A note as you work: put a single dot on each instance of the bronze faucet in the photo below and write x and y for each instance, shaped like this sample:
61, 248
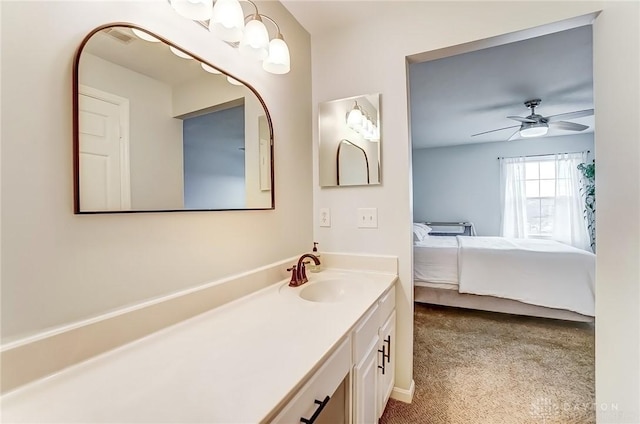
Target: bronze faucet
298, 272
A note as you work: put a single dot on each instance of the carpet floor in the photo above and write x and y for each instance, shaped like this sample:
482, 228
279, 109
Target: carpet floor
482, 367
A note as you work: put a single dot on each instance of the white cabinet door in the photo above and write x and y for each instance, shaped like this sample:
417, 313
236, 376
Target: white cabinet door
366, 388
386, 362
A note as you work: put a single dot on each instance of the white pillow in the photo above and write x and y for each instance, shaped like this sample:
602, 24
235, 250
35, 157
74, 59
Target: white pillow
420, 231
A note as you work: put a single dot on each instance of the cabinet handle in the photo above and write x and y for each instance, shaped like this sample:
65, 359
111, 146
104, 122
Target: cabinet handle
388, 342
322, 404
384, 355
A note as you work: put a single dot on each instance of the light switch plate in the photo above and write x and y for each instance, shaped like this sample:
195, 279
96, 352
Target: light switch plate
325, 217
367, 218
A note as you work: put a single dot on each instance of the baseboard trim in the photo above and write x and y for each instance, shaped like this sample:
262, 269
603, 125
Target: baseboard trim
404, 395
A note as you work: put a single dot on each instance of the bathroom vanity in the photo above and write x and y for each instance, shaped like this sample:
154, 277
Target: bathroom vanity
281, 354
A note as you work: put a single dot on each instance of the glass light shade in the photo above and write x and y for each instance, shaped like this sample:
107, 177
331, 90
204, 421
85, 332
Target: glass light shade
227, 20
234, 81
179, 53
533, 129
279, 60
255, 41
210, 69
197, 10
354, 118
144, 36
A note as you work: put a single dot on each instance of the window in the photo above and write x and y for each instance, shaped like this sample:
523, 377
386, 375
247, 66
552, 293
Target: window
541, 198
540, 191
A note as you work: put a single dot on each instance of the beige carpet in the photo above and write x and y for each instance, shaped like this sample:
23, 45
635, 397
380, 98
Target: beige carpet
482, 367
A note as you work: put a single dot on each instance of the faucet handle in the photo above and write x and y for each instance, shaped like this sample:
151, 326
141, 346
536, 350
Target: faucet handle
294, 277
302, 273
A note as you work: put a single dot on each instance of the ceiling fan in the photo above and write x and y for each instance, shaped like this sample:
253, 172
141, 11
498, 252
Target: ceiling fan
536, 125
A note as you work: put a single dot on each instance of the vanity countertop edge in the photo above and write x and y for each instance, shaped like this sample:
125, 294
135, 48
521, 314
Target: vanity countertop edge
237, 363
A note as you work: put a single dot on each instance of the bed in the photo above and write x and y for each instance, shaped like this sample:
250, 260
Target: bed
520, 276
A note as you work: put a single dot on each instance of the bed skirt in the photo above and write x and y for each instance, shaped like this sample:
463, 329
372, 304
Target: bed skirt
447, 297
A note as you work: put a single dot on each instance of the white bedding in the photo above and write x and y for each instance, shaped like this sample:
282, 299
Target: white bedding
540, 272
435, 262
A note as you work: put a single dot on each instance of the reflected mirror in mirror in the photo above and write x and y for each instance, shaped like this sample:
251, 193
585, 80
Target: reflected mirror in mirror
158, 129
349, 141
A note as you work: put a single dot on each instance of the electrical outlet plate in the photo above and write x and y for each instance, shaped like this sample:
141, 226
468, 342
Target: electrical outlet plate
325, 217
367, 218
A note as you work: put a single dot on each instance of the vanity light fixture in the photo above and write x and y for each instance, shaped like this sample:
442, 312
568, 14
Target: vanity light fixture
197, 10
360, 121
354, 117
226, 19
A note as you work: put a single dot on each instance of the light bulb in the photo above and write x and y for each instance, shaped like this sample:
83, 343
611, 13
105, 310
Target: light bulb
179, 53
144, 36
210, 69
227, 20
234, 81
354, 118
278, 61
255, 41
197, 10
536, 129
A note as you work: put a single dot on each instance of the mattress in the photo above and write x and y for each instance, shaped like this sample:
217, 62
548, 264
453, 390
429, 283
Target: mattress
436, 262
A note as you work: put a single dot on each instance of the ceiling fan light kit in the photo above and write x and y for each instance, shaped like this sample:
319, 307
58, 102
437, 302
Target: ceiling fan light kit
536, 125
536, 129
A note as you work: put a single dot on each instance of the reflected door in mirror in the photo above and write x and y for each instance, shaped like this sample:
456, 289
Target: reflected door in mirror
158, 131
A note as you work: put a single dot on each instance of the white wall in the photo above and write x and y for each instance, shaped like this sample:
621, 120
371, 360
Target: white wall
371, 57
155, 138
462, 183
59, 267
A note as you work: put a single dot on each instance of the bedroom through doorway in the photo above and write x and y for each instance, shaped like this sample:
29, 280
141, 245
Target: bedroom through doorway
503, 161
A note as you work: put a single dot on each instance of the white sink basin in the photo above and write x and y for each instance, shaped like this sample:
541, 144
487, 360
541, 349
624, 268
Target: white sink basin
330, 290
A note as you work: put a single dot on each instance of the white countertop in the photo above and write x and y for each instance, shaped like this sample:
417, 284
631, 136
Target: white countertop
233, 364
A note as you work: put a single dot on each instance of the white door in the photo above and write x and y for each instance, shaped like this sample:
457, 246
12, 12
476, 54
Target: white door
103, 122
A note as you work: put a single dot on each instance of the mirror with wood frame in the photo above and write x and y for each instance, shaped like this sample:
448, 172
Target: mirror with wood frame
157, 128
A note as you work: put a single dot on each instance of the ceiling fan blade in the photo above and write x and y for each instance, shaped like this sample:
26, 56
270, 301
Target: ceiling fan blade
569, 115
513, 136
521, 119
499, 129
571, 126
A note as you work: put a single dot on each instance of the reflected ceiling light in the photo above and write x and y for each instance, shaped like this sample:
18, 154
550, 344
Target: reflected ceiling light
210, 69
234, 81
247, 32
180, 53
197, 10
144, 36
354, 117
533, 129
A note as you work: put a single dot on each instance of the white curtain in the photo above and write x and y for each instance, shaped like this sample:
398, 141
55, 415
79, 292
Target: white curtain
569, 223
513, 197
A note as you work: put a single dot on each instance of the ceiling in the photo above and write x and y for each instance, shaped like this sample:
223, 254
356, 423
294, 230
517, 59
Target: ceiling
457, 96
454, 97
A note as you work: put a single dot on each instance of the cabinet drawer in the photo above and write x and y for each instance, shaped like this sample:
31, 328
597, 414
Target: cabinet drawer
323, 383
366, 334
387, 304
